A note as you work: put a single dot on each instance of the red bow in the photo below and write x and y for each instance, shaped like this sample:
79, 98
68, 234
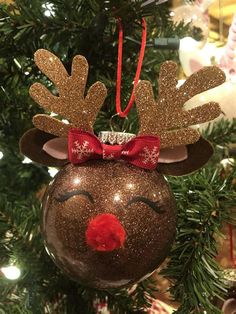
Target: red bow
141, 151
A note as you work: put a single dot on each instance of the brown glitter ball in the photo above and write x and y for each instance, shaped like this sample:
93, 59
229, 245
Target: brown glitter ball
140, 199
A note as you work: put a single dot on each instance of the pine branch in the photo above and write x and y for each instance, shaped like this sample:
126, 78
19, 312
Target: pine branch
196, 276
221, 132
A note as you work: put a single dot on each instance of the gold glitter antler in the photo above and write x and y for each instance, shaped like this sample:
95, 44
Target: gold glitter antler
71, 104
167, 118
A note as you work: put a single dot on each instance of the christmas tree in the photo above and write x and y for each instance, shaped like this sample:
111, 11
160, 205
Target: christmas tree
205, 199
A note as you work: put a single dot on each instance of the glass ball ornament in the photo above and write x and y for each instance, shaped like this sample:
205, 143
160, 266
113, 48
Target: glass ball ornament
135, 209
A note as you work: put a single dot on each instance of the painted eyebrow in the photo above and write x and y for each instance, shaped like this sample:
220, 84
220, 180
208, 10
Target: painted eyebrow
65, 196
153, 205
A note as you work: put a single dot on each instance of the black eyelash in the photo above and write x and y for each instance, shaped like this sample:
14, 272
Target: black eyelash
64, 197
153, 205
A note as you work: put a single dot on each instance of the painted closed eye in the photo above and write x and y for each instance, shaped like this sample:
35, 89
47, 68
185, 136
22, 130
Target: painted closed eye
67, 195
154, 205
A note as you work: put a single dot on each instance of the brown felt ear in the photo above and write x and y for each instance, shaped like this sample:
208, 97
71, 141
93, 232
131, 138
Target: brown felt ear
198, 155
31, 145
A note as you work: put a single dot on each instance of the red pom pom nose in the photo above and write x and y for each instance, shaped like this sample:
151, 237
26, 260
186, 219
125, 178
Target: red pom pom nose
105, 233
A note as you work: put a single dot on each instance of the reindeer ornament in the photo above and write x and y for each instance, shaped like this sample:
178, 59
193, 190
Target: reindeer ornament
109, 216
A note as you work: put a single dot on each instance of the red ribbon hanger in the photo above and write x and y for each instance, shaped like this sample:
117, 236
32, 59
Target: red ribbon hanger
124, 113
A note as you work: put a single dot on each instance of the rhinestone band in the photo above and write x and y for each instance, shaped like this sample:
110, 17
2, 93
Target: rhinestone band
112, 138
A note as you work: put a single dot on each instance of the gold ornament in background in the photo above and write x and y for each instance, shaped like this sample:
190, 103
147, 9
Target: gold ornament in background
6, 1
228, 8
221, 15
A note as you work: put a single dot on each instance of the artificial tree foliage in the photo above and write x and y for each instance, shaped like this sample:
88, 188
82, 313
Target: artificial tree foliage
204, 199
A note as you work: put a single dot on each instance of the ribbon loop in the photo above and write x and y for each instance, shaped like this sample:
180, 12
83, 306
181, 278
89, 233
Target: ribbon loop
124, 113
141, 151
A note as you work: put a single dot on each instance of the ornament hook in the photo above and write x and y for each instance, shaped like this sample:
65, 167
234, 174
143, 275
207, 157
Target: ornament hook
115, 127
